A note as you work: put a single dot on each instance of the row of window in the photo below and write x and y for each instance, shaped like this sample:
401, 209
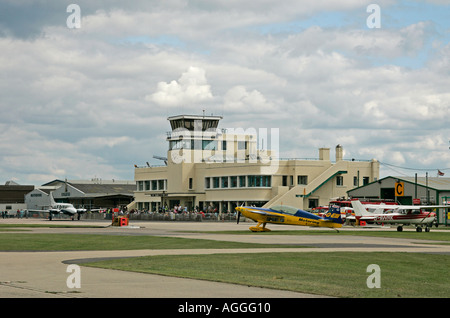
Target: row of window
203, 144
303, 180
152, 185
252, 181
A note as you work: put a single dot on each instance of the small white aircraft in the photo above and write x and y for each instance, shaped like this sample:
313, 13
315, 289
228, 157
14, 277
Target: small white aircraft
398, 214
58, 208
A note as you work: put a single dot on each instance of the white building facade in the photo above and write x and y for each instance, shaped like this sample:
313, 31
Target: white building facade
211, 169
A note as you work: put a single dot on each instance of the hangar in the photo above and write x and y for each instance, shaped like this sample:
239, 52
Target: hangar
407, 190
12, 197
94, 193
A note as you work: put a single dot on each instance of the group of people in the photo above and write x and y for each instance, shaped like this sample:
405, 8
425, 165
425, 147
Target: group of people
19, 214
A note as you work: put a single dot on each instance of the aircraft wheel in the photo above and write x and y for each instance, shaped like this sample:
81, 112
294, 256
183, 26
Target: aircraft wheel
399, 228
427, 229
419, 229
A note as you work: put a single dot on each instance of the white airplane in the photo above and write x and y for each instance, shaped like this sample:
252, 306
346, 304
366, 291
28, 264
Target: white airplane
398, 214
58, 208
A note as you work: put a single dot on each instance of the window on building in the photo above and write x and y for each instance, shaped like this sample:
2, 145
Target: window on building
224, 145
180, 144
154, 185
284, 181
302, 180
209, 144
233, 181
242, 183
216, 182
147, 185
259, 181
355, 181
224, 182
242, 145
190, 184
366, 180
251, 181
339, 180
266, 181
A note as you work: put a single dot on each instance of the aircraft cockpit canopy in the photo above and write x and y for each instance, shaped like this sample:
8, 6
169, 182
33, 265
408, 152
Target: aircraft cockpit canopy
284, 209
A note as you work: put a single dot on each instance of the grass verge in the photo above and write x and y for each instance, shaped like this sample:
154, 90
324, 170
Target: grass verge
434, 236
80, 242
332, 274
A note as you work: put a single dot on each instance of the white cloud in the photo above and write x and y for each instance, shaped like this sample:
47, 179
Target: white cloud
191, 88
99, 96
239, 100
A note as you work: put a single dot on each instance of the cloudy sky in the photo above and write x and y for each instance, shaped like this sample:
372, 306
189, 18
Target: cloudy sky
90, 102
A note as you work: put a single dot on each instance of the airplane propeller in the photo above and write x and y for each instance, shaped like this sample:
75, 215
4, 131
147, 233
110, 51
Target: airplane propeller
239, 214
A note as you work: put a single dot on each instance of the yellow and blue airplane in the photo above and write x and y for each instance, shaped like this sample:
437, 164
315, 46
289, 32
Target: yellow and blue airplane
284, 214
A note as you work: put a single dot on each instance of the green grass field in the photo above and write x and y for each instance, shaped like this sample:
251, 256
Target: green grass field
340, 274
80, 242
434, 236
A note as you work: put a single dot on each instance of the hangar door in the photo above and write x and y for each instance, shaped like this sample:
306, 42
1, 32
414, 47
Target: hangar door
389, 193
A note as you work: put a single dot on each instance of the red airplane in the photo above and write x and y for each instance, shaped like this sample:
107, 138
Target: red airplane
399, 214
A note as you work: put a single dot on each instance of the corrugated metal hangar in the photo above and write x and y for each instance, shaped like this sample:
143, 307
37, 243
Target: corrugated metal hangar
407, 190
88, 194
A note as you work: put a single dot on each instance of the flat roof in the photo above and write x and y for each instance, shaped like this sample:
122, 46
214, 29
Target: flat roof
211, 117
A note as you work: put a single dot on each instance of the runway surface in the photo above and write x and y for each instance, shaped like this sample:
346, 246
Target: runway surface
44, 274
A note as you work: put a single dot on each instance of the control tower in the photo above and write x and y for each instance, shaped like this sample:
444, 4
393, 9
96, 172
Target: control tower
191, 122
193, 132
192, 139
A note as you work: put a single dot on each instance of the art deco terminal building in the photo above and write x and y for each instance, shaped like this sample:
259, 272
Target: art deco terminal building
219, 169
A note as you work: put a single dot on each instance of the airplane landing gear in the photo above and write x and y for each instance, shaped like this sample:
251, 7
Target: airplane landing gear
419, 229
399, 228
258, 228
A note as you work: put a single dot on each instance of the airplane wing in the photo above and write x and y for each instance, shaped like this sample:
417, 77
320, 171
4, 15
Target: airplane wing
34, 210
417, 207
262, 212
43, 210
273, 217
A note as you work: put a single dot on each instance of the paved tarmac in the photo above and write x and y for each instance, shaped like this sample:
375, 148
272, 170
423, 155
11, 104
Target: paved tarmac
44, 274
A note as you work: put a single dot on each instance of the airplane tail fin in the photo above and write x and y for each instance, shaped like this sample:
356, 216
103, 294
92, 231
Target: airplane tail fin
359, 209
334, 215
52, 200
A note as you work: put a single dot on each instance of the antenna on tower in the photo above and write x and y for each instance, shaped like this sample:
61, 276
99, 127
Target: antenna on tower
161, 158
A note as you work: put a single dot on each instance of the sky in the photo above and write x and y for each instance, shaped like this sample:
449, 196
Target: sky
92, 100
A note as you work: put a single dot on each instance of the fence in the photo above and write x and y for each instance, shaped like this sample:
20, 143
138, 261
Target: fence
167, 216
